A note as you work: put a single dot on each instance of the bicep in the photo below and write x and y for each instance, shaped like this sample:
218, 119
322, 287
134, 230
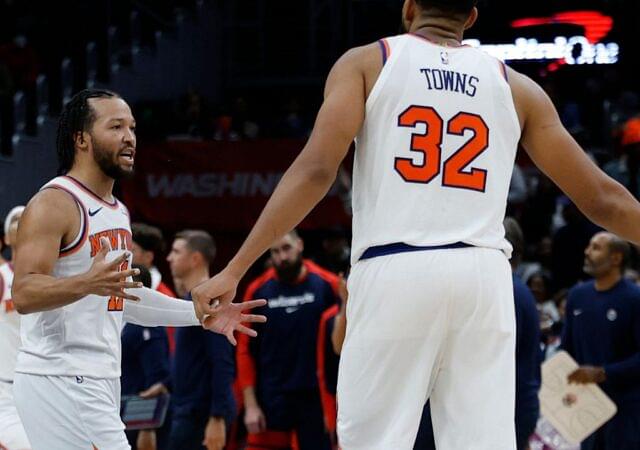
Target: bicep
341, 114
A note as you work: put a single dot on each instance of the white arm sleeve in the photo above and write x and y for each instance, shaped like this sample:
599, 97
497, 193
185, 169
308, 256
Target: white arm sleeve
156, 310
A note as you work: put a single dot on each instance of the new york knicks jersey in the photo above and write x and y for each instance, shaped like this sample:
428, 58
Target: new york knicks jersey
434, 156
82, 338
9, 325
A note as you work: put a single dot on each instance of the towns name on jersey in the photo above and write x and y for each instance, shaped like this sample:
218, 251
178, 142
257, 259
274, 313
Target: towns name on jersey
450, 80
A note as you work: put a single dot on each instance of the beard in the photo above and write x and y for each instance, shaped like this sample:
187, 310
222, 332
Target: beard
289, 271
108, 162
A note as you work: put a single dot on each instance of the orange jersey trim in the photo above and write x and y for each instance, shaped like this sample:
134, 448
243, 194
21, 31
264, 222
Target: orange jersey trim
84, 232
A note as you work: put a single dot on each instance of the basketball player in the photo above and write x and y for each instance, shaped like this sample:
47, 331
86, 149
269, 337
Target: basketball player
72, 283
12, 435
431, 312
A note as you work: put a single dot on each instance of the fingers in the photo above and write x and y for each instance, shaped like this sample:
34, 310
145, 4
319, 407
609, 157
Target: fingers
118, 261
255, 318
125, 274
231, 338
262, 423
246, 330
253, 304
104, 249
130, 285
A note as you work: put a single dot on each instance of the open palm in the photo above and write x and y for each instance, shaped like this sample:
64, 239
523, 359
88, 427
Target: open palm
225, 318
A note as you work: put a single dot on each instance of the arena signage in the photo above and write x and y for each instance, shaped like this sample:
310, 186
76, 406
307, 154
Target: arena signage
585, 49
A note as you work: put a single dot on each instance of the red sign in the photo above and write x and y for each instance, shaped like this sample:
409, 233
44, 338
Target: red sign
219, 186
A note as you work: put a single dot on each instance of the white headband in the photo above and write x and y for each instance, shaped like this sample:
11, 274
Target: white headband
7, 221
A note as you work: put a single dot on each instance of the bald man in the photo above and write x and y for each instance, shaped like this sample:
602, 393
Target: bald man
602, 333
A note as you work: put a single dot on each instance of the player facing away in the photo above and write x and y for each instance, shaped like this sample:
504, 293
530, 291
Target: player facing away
73, 285
431, 310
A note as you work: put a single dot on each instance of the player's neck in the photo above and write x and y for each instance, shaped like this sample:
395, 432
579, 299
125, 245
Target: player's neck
95, 180
606, 282
194, 278
438, 31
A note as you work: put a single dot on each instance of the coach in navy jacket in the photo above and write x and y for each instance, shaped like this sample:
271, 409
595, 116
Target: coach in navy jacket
203, 367
602, 333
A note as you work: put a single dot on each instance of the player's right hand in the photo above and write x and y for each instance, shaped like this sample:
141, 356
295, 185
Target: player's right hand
254, 419
220, 289
105, 278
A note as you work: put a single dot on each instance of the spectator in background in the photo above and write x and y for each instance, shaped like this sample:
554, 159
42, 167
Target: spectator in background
203, 366
602, 333
148, 243
277, 372
145, 362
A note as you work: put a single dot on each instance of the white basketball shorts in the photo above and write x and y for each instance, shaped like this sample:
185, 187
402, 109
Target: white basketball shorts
436, 324
70, 413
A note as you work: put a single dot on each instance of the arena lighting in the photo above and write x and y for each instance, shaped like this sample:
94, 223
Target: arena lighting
574, 50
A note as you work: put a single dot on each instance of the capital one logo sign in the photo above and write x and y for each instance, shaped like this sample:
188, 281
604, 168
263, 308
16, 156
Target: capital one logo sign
580, 49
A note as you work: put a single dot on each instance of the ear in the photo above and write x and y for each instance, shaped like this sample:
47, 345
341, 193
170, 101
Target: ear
408, 14
471, 20
616, 259
81, 140
300, 244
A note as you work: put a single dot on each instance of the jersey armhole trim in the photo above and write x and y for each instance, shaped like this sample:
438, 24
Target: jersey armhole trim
386, 51
503, 66
76, 244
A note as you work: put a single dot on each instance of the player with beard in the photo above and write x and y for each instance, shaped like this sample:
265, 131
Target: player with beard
277, 371
73, 285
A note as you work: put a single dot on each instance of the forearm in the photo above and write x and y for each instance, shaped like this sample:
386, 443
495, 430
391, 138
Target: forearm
221, 354
250, 399
627, 370
300, 189
156, 309
339, 331
617, 211
35, 292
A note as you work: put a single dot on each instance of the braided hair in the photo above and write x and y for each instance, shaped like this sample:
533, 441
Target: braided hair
77, 116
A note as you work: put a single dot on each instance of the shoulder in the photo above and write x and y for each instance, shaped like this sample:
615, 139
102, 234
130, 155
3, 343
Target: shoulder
50, 206
581, 290
322, 273
259, 282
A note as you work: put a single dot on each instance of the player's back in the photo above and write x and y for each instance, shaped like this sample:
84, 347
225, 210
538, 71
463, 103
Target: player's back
83, 337
435, 154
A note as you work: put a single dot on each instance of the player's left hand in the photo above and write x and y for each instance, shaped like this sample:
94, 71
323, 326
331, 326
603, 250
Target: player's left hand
229, 317
215, 434
587, 375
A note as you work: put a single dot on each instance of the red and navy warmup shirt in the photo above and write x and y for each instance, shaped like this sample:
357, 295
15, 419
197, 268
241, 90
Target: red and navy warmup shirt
283, 356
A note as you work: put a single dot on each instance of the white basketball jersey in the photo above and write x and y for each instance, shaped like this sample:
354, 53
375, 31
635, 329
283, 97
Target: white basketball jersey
434, 156
9, 325
82, 338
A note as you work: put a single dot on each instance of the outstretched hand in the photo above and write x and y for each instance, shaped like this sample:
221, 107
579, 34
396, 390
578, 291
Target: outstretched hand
215, 310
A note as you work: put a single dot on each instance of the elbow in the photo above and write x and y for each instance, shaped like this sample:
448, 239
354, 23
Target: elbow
20, 302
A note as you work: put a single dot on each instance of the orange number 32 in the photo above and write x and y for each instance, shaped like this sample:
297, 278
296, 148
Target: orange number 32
430, 145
